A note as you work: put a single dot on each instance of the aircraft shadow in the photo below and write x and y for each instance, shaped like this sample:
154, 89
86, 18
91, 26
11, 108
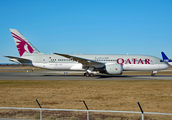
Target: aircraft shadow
96, 76
114, 76
64, 75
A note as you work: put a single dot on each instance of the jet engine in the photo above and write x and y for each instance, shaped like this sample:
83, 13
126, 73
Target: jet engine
114, 69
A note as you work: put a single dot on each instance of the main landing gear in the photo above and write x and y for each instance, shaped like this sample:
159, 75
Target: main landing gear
88, 74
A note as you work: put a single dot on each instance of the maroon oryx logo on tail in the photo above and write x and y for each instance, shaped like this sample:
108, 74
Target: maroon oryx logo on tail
22, 45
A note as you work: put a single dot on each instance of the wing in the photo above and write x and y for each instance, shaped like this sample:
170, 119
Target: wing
83, 61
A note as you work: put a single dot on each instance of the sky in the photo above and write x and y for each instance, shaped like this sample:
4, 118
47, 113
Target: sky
142, 27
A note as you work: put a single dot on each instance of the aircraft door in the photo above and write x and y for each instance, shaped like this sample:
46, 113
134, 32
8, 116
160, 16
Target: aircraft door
44, 62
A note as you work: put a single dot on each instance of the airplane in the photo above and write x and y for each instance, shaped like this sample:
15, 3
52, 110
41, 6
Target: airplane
166, 59
91, 64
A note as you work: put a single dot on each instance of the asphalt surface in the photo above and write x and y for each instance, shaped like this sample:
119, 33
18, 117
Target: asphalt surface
47, 75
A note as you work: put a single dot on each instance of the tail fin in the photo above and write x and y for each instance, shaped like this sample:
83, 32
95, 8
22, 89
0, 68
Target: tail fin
23, 45
165, 58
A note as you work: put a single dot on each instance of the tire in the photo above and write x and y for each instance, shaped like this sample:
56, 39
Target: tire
87, 75
91, 75
153, 75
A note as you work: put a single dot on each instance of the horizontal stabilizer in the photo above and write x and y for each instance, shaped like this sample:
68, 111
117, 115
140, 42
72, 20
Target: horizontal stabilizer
18, 58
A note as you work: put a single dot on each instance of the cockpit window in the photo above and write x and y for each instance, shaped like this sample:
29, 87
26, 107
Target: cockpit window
161, 61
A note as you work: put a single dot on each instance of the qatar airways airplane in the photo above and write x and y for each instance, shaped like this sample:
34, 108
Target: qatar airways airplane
91, 64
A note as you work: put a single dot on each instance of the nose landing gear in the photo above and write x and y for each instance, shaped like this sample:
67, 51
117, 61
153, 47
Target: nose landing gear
153, 73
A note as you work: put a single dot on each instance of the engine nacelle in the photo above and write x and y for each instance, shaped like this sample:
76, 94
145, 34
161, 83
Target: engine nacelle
114, 69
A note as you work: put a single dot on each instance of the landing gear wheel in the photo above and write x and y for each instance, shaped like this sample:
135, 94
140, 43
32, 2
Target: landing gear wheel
87, 75
153, 75
91, 75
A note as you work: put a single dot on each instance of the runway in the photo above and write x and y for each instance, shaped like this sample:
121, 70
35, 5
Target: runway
54, 76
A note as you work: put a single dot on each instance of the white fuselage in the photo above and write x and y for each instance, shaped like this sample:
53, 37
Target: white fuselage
129, 62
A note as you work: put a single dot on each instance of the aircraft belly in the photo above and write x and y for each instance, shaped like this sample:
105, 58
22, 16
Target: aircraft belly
143, 67
140, 67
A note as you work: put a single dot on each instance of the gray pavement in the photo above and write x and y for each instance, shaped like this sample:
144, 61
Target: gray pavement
46, 75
